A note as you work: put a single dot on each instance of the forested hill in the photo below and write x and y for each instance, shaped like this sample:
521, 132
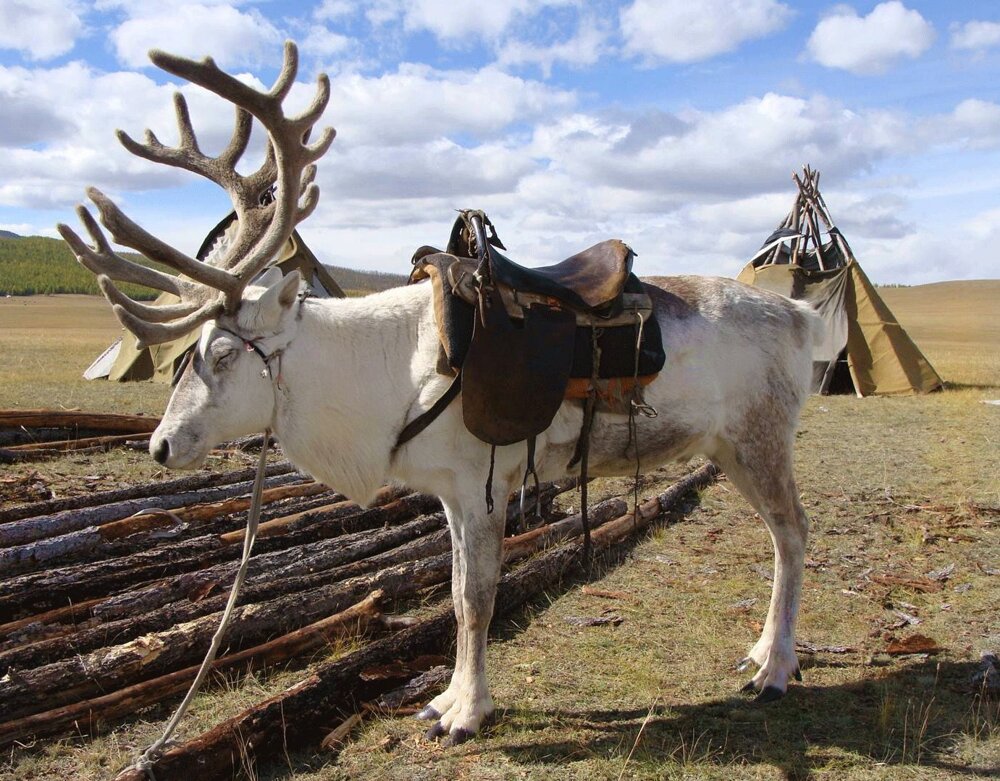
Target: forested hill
35, 264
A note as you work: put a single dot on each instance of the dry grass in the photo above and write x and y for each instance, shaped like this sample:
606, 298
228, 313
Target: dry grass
893, 486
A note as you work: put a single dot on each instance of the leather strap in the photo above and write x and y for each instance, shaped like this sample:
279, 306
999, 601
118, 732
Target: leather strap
422, 421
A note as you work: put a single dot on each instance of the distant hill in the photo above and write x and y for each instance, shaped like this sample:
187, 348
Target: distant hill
365, 281
38, 265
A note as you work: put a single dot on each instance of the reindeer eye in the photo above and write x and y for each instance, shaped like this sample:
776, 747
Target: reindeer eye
225, 360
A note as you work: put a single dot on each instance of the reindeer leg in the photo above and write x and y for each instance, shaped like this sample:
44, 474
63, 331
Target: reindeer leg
765, 479
446, 699
477, 541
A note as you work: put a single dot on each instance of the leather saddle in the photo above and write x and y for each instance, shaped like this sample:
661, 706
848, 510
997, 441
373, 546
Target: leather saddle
522, 340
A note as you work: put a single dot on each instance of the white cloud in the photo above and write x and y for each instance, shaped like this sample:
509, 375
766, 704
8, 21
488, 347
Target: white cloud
870, 44
321, 42
585, 48
419, 103
976, 36
740, 150
42, 29
233, 37
685, 31
457, 20
973, 124
330, 10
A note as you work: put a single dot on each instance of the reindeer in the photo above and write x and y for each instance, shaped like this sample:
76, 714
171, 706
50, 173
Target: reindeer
338, 379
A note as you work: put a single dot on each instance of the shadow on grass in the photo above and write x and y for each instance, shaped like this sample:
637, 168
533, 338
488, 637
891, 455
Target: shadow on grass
911, 717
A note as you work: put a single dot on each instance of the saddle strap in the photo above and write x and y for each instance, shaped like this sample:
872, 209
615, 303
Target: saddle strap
424, 419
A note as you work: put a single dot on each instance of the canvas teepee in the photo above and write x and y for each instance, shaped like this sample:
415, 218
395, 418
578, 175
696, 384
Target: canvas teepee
866, 350
122, 361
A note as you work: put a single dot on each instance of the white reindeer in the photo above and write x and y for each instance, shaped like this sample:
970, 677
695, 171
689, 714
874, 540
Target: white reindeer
344, 376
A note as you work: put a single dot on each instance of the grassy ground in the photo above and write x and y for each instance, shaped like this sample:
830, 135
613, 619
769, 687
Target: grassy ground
895, 487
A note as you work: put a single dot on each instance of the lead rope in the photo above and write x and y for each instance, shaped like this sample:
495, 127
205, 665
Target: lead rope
147, 760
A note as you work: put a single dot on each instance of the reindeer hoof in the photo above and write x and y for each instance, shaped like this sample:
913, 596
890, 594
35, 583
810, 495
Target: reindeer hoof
436, 731
749, 688
428, 714
456, 737
768, 694
798, 674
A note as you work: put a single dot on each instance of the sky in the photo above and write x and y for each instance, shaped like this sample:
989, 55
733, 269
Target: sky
674, 125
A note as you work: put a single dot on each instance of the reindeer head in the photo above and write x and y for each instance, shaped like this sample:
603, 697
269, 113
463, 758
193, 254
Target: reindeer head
226, 390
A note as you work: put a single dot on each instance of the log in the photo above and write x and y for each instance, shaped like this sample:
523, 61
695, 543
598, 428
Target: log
137, 532
191, 626
28, 530
352, 622
275, 566
186, 597
48, 418
33, 592
131, 613
290, 523
79, 443
23, 436
24, 692
336, 688
180, 485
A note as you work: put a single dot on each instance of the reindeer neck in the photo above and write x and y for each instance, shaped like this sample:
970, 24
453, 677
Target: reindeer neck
347, 382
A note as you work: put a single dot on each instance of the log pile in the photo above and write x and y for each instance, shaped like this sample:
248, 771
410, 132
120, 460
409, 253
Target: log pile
27, 435
112, 599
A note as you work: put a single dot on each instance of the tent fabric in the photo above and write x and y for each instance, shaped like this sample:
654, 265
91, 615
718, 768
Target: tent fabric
123, 362
862, 335
881, 357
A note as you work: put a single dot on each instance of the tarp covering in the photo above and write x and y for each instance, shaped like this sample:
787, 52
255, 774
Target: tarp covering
124, 363
881, 357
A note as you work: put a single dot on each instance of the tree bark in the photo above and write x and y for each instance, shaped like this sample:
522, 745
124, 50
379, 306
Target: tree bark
48, 418
28, 530
352, 622
180, 485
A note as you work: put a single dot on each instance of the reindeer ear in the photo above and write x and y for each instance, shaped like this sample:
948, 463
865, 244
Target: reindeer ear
278, 297
269, 277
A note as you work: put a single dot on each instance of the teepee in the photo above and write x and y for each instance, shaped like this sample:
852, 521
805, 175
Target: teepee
124, 362
866, 351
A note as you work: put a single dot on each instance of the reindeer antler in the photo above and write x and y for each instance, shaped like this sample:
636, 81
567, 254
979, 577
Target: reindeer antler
207, 290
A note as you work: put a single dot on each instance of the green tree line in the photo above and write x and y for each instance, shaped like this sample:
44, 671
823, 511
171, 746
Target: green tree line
38, 265
35, 265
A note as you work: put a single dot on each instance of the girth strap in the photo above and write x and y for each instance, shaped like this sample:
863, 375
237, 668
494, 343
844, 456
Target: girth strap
424, 419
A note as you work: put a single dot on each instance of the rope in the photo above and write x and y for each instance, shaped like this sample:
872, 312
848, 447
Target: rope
147, 760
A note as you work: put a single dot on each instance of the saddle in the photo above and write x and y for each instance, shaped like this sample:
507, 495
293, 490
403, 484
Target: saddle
522, 340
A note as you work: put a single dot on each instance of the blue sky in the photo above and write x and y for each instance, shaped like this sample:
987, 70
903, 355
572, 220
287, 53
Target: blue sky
674, 125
